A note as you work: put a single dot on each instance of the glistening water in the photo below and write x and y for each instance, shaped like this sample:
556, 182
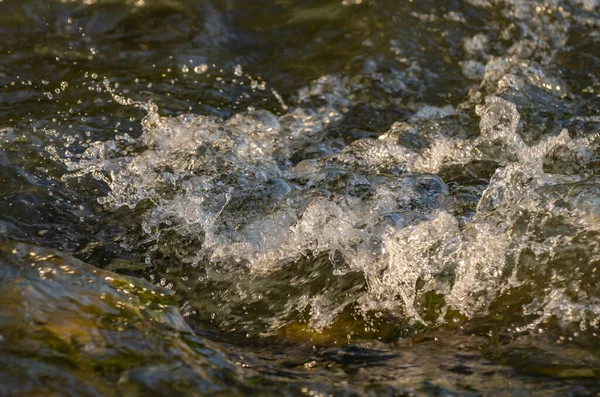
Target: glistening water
299, 197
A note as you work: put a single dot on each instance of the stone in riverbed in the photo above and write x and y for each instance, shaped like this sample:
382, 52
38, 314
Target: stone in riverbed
69, 328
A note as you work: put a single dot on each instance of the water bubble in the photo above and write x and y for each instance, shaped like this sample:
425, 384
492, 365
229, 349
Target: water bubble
202, 68
238, 71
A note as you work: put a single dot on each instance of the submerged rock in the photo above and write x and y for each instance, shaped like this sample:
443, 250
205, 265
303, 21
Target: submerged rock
68, 328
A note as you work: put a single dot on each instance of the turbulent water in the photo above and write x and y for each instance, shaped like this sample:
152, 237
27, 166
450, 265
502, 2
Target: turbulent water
358, 197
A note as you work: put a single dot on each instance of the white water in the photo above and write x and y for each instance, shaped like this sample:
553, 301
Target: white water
375, 206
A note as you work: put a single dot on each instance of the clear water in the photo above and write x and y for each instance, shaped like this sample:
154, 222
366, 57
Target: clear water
299, 197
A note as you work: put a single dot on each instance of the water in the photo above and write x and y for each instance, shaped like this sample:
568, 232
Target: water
299, 197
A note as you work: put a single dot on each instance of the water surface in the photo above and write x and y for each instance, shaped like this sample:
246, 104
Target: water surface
299, 197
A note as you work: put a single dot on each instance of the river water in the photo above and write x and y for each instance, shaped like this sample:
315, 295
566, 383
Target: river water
300, 198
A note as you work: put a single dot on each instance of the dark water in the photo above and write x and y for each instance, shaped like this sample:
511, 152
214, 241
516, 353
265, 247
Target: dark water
299, 197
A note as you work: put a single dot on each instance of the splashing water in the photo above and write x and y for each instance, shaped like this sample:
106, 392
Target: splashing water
418, 184
230, 196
